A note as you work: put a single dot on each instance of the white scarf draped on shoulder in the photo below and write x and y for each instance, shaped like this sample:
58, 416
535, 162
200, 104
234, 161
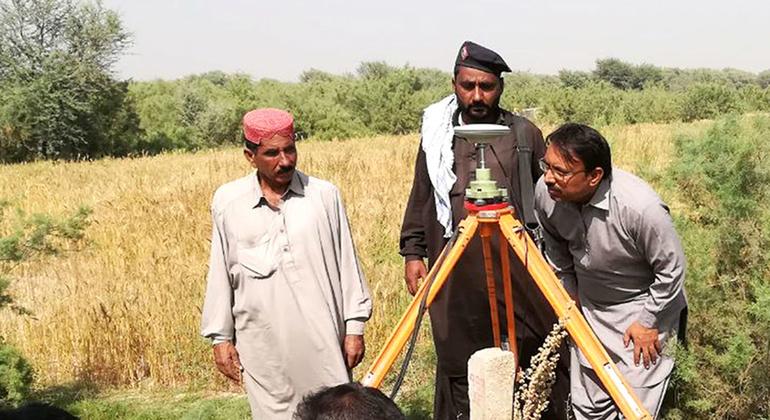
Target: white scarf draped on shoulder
437, 135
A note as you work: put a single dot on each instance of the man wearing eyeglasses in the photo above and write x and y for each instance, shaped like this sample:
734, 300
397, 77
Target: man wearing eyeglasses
612, 243
444, 168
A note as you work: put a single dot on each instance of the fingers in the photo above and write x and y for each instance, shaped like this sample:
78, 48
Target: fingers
235, 360
637, 351
646, 356
354, 359
654, 352
411, 286
626, 340
227, 361
413, 272
231, 371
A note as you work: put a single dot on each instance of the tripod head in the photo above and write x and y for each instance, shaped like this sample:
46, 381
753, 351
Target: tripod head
483, 190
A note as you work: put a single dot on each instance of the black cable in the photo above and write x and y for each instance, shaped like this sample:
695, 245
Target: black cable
418, 321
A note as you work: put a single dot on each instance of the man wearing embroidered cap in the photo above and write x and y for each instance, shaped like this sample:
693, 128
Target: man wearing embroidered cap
286, 300
445, 165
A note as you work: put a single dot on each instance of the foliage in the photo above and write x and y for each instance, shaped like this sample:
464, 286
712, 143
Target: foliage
58, 98
725, 178
15, 376
708, 100
27, 237
627, 76
205, 111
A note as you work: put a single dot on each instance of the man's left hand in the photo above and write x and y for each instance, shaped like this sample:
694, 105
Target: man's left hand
646, 343
354, 349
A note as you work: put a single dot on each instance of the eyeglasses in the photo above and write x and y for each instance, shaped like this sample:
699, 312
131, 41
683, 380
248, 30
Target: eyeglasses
558, 174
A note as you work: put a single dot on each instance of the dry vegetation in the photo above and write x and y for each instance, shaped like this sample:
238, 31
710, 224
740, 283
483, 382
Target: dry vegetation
126, 310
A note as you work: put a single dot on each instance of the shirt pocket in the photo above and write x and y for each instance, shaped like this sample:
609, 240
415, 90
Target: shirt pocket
258, 261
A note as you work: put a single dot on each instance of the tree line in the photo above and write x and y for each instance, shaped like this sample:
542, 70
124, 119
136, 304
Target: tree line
59, 97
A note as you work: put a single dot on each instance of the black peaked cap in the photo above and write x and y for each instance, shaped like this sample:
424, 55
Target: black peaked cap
475, 56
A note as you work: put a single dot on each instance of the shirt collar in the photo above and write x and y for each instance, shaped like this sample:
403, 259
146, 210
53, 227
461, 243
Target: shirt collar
295, 187
601, 197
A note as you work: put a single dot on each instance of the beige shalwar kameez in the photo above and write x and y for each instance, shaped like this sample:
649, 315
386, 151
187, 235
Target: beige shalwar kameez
285, 285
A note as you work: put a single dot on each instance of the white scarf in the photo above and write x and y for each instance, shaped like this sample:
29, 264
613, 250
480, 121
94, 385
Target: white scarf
437, 135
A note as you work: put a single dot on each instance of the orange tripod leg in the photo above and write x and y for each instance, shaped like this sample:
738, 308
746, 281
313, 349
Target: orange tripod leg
505, 266
400, 336
576, 325
486, 232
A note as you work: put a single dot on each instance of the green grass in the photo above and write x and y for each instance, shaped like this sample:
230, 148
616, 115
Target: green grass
147, 404
152, 404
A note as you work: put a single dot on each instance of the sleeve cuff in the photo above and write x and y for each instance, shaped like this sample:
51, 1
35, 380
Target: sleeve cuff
647, 319
354, 327
412, 257
218, 339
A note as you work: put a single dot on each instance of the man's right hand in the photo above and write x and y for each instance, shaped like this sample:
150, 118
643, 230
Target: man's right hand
414, 271
227, 361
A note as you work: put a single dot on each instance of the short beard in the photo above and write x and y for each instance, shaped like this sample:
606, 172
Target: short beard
490, 115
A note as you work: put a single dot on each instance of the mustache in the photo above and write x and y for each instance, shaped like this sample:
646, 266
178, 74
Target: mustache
285, 169
479, 106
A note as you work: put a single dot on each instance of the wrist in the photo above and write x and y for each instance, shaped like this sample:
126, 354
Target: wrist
354, 327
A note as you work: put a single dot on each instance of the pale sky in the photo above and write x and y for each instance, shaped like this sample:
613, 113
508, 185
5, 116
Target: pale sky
280, 39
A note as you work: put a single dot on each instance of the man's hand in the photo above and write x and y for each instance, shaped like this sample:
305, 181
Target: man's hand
227, 361
353, 349
645, 341
414, 271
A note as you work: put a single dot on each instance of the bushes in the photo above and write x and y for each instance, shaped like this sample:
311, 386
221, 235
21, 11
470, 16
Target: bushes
709, 100
72, 112
725, 178
15, 377
24, 238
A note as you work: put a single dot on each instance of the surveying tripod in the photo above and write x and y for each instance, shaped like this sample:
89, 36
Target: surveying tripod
489, 213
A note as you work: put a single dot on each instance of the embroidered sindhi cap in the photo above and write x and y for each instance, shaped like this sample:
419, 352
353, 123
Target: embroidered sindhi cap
265, 123
475, 56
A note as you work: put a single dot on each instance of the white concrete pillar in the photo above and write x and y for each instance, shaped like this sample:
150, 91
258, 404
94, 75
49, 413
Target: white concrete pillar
491, 373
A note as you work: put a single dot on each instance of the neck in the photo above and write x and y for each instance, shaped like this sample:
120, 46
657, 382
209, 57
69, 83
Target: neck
588, 196
271, 188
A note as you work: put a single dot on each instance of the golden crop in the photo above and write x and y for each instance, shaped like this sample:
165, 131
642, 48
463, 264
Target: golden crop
126, 310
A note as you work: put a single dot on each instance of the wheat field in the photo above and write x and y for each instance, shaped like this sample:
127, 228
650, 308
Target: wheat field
124, 311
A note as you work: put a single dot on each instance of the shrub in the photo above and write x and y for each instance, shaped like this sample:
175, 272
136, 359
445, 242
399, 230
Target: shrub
28, 237
726, 232
15, 377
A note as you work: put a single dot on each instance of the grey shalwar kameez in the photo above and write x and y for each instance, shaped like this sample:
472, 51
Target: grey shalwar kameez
285, 285
620, 253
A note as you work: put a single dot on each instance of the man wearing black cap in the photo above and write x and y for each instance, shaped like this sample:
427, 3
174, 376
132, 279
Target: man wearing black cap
444, 167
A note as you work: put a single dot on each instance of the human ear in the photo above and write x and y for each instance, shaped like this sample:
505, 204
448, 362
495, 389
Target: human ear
249, 155
596, 176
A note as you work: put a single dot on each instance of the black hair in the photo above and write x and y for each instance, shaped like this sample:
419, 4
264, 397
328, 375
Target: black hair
249, 145
351, 401
580, 141
37, 410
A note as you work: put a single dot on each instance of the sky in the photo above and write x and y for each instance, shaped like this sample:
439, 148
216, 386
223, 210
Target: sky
281, 39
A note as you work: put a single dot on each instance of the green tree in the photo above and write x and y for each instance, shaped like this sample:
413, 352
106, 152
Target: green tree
627, 76
60, 99
574, 79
